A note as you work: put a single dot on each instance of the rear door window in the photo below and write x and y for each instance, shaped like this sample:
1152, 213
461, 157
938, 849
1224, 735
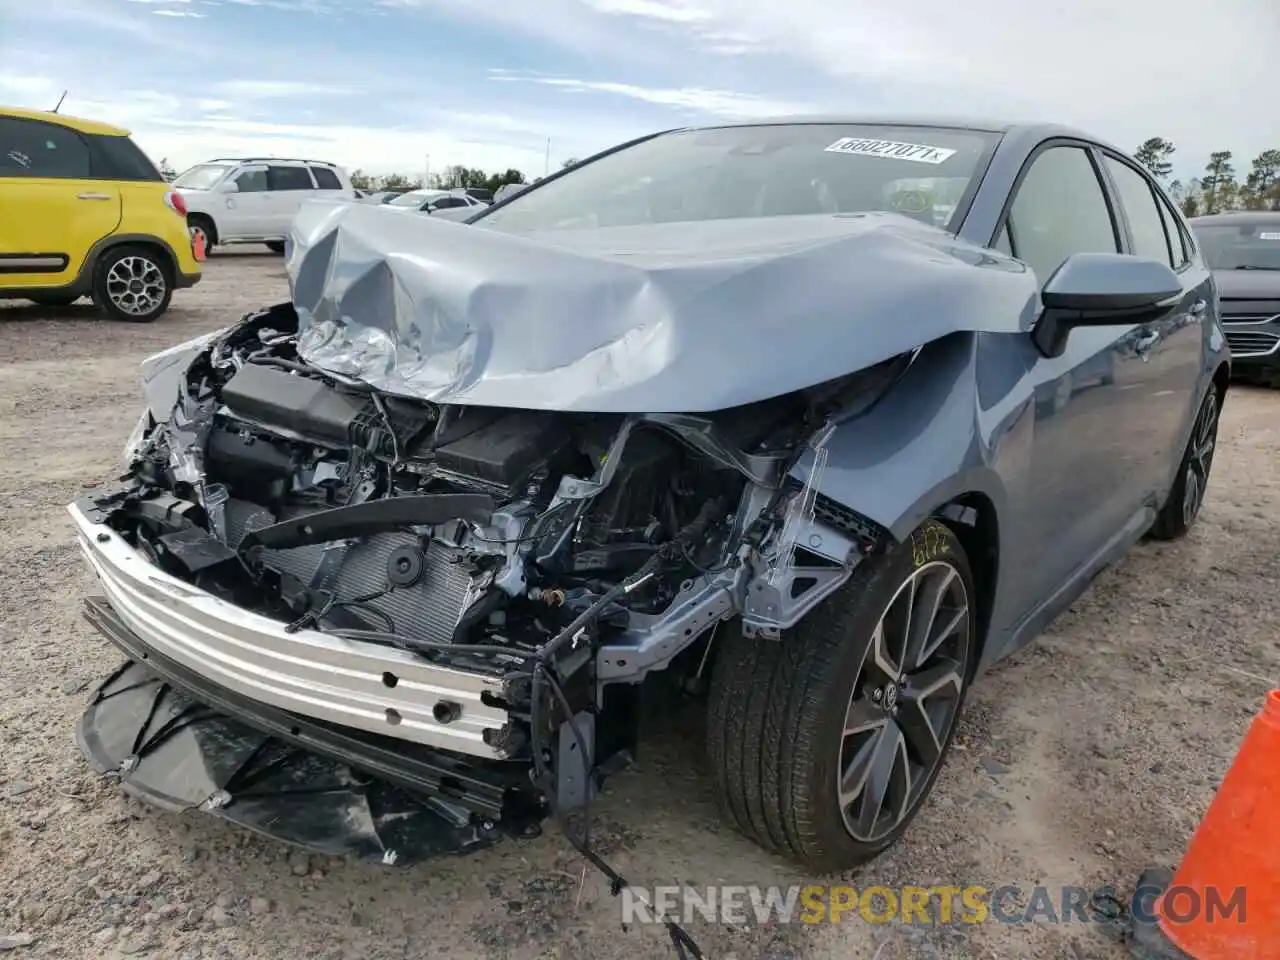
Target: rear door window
119, 158
326, 179
1139, 202
289, 178
1180, 254
32, 148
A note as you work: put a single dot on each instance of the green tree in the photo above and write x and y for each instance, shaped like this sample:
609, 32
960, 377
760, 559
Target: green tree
361, 180
165, 169
1155, 154
396, 181
569, 163
496, 180
1262, 186
1219, 183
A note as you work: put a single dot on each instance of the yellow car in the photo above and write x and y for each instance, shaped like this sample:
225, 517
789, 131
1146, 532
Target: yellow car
84, 212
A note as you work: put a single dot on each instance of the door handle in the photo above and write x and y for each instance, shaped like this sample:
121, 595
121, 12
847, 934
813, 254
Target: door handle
93, 196
1199, 307
1145, 342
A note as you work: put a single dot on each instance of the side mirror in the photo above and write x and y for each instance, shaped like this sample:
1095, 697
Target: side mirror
1103, 289
228, 186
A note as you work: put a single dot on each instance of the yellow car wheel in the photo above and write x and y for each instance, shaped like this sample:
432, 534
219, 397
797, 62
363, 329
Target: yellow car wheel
133, 283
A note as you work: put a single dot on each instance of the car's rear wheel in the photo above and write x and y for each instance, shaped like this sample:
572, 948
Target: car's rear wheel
1187, 496
132, 283
825, 743
275, 246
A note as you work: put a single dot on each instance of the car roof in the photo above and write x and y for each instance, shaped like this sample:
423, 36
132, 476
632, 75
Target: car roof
1029, 129
79, 124
1237, 218
311, 163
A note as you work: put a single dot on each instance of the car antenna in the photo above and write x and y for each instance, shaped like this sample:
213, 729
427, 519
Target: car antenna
60, 99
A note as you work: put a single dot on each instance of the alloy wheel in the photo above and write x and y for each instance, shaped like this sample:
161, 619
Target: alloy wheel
1204, 438
905, 701
136, 285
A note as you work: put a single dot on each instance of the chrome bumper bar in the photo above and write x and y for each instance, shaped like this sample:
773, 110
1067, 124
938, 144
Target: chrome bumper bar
355, 684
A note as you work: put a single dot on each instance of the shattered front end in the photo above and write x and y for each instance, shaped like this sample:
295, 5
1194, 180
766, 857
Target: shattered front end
372, 623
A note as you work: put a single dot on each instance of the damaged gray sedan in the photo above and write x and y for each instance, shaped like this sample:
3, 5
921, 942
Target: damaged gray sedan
820, 417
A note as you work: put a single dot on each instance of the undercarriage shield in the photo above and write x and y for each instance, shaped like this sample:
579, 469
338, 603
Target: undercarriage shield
176, 753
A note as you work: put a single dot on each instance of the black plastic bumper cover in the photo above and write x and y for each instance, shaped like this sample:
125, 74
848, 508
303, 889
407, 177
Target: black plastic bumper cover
181, 743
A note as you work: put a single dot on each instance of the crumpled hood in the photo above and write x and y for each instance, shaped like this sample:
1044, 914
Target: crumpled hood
665, 318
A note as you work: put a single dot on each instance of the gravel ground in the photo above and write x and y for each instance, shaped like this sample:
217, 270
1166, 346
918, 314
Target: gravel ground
1087, 757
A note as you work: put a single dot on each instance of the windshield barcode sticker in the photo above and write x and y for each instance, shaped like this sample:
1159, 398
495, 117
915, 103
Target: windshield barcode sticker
891, 149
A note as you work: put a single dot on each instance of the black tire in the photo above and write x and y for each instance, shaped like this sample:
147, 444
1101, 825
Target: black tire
1186, 498
55, 299
133, 283
199, 222
275, 246
778, 708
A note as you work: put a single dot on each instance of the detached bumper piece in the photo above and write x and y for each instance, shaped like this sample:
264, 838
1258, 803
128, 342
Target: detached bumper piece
181, 743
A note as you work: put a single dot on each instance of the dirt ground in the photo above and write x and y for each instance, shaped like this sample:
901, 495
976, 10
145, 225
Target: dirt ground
1089, 756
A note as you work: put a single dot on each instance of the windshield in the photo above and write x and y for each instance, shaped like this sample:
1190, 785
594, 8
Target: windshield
201, 177
759, 171
1245, 246
415, 198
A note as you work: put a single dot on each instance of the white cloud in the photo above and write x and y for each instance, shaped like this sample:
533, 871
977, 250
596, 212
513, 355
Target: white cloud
673, 12
179, 13
271, 89
716, 103
1125, 70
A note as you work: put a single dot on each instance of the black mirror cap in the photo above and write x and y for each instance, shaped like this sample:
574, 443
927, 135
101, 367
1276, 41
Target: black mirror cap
1103, 289
1104, 282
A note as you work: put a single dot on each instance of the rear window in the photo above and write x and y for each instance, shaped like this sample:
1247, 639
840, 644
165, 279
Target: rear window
760, 171
1246, 246
119, 158
326, 179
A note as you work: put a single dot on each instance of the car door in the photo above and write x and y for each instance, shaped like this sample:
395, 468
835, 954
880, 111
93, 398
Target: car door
245, 212
289, 186
1170, 349
51, 212
1081, 482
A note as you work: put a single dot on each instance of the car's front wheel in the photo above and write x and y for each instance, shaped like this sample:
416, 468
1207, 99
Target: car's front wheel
825, 743
132, 283
1187, 496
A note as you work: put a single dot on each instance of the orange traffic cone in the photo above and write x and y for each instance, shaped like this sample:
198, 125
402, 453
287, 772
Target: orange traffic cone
1223, 902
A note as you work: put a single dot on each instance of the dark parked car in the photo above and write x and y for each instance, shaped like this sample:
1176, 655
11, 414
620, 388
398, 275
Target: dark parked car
746, 407
1243, 251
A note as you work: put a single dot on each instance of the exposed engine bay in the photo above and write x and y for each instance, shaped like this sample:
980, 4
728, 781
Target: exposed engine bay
540, 564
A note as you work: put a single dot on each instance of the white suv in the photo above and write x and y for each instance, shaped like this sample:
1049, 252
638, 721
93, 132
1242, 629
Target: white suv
255, 200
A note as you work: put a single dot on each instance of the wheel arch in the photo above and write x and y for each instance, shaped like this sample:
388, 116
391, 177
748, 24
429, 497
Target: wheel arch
974, 519
1222, 379
145, 241
207, 218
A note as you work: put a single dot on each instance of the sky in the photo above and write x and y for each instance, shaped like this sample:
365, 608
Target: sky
414, 85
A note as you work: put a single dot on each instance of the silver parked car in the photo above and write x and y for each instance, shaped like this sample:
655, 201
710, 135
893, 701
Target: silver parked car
827, 416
